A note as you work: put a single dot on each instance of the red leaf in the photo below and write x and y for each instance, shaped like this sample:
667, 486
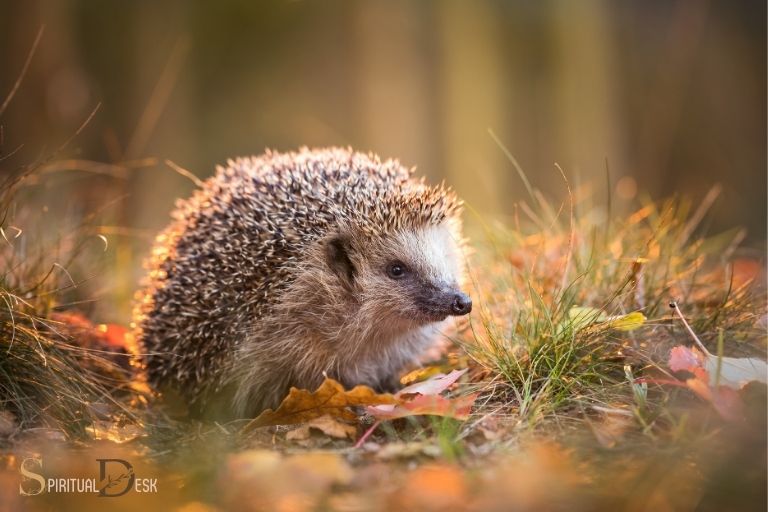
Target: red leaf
432, 386
115, 335
432, 405
725, 400
728, 403
684, 358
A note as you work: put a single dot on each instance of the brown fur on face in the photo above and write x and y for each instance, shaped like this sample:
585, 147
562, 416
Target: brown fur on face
282, 269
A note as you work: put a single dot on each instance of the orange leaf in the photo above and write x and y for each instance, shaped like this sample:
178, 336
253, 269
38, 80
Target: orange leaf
114, 335
329, 399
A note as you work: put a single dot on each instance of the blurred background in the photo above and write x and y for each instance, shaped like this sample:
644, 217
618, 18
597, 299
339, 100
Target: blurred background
671, 94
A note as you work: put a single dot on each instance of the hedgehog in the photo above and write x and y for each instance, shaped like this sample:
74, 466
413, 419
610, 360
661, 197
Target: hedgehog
287, 268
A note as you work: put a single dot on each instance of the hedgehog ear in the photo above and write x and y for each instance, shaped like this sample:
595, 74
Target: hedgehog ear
337, 250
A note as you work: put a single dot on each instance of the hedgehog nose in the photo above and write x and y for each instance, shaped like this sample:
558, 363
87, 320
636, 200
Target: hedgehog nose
461, 304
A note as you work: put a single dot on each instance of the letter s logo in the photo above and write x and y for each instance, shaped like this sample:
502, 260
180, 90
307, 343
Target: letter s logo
29, 475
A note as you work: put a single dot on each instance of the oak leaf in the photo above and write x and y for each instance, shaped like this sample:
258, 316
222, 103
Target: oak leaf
329, 399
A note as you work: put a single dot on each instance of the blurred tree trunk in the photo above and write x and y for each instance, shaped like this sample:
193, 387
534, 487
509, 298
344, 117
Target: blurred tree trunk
587, 116
472, 96
395, 94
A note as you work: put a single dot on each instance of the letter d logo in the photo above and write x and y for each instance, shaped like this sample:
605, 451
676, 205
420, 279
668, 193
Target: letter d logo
126, 478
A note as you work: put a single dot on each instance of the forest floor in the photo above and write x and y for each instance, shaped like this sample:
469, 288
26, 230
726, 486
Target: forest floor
614, 361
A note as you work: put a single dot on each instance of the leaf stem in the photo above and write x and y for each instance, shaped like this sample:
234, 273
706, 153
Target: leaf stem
367, 434
699, 344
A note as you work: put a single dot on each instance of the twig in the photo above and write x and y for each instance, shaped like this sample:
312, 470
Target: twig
80, 129
187, 174
699, 344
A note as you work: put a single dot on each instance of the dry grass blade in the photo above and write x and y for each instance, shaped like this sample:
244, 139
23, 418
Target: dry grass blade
23, 72
532, 279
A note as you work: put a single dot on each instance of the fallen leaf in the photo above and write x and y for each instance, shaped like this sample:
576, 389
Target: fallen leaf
423, 399
611, 429
327, 425
581, 317
725, 400
719, 389
734, 372
329, 399
426, 405
683, 358
420, 374
115, 335
111, 431
301, 433
628, 322
433, 386
393, 451
491, 428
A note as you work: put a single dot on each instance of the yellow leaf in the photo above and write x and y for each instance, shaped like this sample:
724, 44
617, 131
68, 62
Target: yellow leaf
585, 314
582, 317
628, 322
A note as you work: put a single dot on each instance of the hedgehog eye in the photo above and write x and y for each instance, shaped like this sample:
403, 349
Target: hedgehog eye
396, 270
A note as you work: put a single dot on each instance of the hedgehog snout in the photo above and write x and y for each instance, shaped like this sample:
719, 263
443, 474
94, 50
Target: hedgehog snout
461, 305
438, 302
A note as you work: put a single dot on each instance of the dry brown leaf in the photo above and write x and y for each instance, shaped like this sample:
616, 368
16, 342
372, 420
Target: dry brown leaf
395, 451
610, 431
111, 431
301, 433
327, 425
329, 399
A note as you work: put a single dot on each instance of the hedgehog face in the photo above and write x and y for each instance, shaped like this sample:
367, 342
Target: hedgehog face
422, 268
407, 279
